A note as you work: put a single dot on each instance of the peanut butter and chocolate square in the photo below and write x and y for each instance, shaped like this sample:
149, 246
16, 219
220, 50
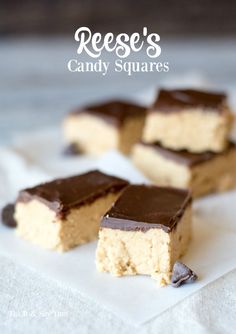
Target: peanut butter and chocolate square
65, 213
188, 119
203, 173
145, 232
97, 128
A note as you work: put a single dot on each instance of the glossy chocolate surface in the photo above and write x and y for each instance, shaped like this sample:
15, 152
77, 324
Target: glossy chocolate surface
63, 194
178, 100
142, 207
114, 112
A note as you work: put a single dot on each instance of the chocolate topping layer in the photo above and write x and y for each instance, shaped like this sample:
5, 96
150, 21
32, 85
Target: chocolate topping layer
178, 100
63, 194
114, 112
142, 207
185, 157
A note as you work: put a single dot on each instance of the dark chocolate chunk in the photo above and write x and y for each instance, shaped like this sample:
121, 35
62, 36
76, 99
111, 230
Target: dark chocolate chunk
142, 207
114, 112
63, 194
182, 274
72, 149
185, 157
179, 99
8, 215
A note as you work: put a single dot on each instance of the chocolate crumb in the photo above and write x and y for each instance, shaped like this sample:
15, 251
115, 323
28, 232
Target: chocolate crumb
72, 149
182, 274
8, 215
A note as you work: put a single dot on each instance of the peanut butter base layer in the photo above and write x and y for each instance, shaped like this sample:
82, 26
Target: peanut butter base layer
37, 223
195, 130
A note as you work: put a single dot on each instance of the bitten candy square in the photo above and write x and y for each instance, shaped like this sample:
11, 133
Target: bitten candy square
145, 232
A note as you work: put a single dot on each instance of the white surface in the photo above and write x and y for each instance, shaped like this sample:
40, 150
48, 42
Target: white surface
133, 299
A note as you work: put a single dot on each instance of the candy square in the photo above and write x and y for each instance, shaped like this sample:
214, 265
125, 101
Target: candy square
145, 232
